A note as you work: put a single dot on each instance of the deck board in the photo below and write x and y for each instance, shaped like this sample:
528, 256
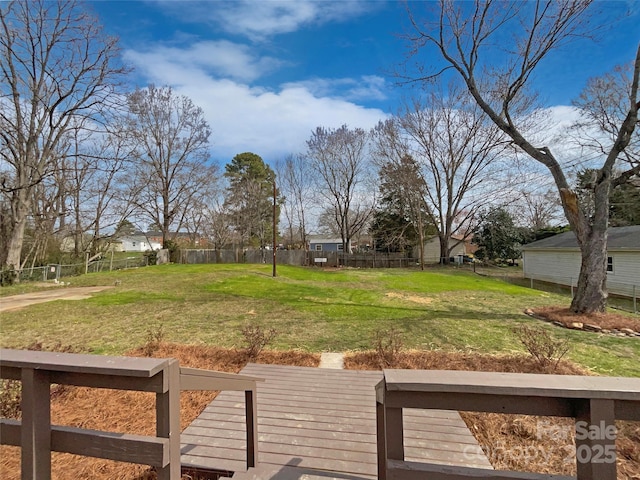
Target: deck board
318, 421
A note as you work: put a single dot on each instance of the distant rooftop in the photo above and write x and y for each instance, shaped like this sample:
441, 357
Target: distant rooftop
619, 238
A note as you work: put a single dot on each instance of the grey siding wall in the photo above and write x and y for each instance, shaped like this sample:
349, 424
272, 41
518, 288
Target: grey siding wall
563, 267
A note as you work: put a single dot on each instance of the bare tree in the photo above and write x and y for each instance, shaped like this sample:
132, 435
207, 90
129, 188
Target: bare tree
339, 158
296, 181
94, 173
170, 140
457, 153
57, 69
465, 34
537, 210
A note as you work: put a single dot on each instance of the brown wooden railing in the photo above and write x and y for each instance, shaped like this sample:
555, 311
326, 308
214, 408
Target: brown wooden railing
38, 438
595, 403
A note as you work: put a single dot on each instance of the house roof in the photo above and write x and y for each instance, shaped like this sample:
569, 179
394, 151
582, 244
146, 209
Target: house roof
321, 239
618, 238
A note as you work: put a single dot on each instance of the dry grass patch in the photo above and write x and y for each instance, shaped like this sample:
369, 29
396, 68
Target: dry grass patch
608, 321
516, 442
134, 412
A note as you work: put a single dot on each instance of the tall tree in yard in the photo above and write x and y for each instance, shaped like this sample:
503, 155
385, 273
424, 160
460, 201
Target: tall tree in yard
295, 182
463, 36
497, 236
403, 217
249, 198
340, 159
170, 140
456, 152
57, 70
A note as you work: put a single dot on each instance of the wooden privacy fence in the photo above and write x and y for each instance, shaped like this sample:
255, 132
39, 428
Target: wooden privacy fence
38, 438
595, 403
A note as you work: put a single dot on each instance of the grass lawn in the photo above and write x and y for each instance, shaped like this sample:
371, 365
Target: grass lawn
312, 309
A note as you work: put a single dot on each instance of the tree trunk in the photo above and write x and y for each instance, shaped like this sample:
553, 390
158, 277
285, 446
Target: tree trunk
444, 250
20, 207
591, 293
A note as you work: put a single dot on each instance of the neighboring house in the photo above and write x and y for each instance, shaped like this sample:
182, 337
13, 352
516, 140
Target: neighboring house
135, 243
323, 244
557, 260
458, 246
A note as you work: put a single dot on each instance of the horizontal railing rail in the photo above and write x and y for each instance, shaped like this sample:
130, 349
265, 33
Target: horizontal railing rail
594, 402
38, 438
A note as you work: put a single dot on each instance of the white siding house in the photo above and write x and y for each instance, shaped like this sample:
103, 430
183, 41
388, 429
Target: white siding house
432, 249
137, 243
557, 260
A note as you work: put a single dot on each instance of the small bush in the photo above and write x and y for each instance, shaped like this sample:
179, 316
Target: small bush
174, 250
151, 256
8, 277
256, 339
387, 344
155, 337
545, 350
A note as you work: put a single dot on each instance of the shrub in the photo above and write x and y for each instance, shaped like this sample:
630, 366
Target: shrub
256, 339
545, 350
388, 344
155, 337
151, 256
8, 277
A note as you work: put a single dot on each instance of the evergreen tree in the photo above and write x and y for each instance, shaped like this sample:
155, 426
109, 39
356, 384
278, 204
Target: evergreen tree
497, 236
249, 198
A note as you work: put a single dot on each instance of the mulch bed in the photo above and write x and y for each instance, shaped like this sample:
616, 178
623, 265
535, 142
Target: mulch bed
608, 321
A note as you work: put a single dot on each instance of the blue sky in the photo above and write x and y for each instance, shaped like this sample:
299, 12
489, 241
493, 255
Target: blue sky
268, 72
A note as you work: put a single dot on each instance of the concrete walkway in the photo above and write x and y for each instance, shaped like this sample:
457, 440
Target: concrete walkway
58, 293
332, 360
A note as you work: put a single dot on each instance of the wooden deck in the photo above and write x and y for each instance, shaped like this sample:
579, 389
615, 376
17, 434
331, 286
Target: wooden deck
318, 422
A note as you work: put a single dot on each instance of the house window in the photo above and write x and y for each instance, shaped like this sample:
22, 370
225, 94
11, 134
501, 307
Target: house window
133, 243
318, 247
610, 264
340, 248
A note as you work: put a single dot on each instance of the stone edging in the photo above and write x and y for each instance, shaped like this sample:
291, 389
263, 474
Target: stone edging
586, 327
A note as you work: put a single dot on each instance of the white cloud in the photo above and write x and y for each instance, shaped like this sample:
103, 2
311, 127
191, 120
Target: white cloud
368, 87
258, 19
219, 58
271, 123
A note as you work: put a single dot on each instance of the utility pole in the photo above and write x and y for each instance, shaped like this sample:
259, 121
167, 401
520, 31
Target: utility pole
274, 227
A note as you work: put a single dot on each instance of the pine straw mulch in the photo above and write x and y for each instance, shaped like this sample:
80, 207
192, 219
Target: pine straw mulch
515, 442
608, 321
134, 412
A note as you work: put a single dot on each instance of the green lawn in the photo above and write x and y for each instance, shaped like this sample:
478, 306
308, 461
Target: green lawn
311, 309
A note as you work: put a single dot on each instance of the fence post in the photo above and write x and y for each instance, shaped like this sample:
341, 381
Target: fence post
635, 300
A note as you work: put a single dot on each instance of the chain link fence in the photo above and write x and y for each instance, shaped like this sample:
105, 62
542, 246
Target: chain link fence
623, 296
56, 271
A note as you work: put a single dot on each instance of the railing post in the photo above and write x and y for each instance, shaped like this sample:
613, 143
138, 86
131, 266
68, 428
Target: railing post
251, 406
36, 425
380, 433
596, 440
168, 420
394, 434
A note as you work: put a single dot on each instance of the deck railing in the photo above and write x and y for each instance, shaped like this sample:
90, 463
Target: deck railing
594, 402
38, 438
